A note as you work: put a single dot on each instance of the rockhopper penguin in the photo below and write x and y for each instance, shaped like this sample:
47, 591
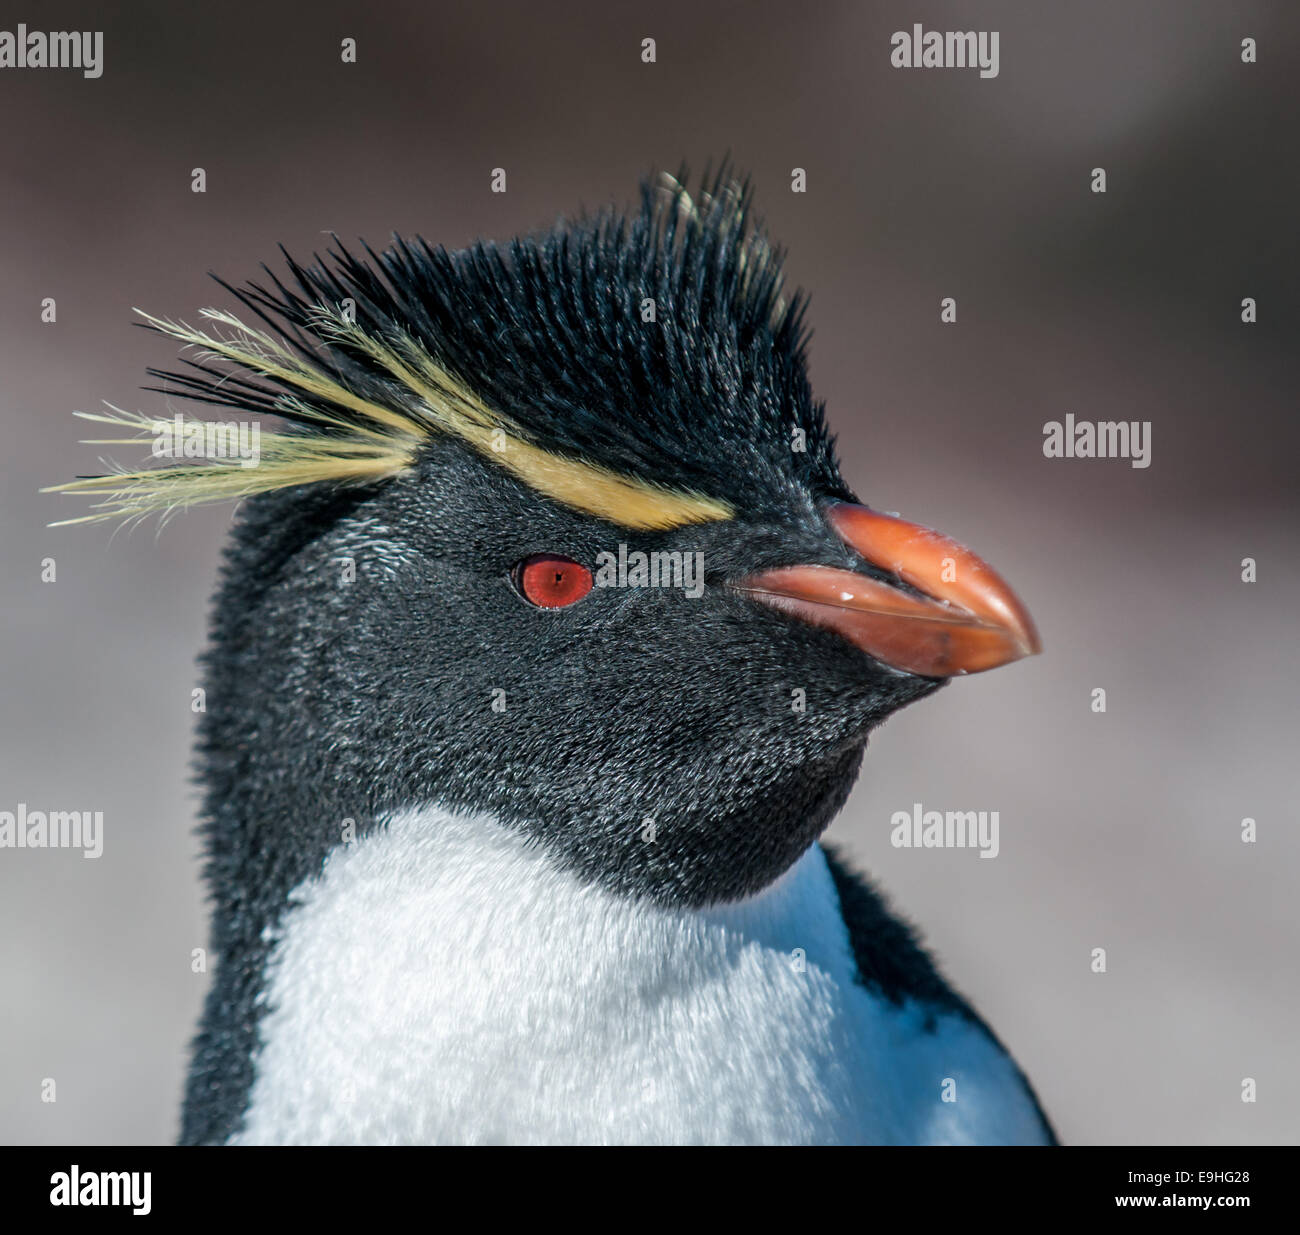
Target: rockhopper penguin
512, 818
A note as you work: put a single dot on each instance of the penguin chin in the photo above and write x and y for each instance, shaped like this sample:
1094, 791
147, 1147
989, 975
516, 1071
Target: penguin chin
780, 829
720, 851
700, 838
795, 816
755, 840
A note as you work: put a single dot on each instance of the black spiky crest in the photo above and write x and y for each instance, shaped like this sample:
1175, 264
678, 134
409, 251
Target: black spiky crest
657, 348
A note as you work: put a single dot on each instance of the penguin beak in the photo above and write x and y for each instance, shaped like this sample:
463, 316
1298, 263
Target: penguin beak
954, 615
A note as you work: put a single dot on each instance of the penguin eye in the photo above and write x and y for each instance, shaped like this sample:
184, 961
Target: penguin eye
551, 582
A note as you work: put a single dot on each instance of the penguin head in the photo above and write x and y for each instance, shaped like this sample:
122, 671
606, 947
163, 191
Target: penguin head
556, 534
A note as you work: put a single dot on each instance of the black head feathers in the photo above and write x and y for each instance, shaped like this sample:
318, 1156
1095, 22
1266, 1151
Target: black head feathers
646, 369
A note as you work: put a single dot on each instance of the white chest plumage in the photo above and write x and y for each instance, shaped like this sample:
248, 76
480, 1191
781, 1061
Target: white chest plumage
443, 982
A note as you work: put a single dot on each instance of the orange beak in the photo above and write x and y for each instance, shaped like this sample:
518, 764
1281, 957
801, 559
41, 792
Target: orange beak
964, 620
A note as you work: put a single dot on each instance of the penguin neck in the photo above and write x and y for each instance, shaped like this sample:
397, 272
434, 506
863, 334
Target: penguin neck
426, 952
444, 980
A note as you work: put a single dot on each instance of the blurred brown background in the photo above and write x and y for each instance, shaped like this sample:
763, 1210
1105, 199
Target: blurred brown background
1119, 830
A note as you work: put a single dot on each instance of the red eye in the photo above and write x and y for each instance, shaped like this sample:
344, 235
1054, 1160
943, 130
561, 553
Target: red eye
552, 582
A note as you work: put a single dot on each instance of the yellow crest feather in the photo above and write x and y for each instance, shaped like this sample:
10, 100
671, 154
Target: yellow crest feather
373, 443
